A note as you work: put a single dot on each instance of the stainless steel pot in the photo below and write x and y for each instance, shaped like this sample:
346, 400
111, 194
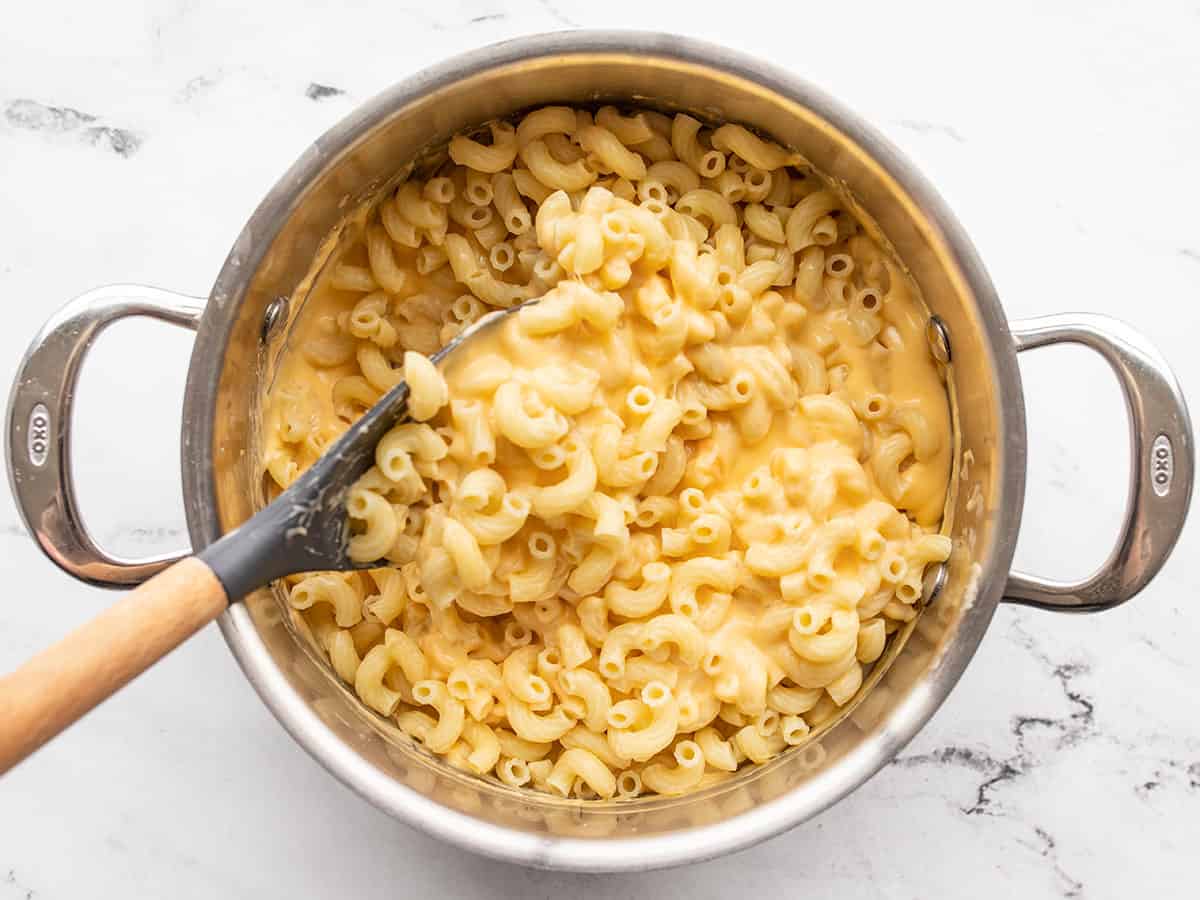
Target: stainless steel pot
244, 314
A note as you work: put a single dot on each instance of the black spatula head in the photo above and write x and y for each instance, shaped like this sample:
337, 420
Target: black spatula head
306, 528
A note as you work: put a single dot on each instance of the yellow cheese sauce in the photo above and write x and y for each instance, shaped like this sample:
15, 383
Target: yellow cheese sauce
662, 521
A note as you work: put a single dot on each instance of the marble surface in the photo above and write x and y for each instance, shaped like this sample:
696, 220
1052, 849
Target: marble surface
135, 137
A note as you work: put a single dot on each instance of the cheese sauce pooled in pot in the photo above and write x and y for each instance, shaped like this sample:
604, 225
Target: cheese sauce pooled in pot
657, 524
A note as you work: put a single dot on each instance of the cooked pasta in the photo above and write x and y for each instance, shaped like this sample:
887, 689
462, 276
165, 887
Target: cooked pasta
660, 523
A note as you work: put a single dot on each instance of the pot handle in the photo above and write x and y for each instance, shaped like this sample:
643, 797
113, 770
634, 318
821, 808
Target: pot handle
1161, 454
39, 428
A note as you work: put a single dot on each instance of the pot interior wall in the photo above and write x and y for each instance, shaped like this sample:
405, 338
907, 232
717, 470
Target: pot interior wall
396, 128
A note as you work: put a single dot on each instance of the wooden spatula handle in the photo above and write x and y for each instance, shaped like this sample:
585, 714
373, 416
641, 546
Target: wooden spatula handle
65, 681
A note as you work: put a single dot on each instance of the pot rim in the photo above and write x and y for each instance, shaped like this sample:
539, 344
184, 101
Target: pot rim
468, 832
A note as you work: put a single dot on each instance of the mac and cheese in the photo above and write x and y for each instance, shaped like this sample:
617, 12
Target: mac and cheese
657, 524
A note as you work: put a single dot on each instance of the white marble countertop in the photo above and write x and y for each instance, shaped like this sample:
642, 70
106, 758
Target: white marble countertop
137, 135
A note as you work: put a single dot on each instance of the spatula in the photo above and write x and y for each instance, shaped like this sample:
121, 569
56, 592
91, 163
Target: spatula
304, 529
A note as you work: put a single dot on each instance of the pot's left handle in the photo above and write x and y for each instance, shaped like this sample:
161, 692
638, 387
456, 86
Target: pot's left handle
39, 428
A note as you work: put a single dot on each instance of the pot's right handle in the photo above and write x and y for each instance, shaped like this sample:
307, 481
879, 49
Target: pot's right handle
1160, 486
39, 428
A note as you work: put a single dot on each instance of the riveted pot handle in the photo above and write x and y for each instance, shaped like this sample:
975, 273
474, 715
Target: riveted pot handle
1161, 453
39, 428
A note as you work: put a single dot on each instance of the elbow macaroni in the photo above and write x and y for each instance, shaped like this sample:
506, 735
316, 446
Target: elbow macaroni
657, 524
